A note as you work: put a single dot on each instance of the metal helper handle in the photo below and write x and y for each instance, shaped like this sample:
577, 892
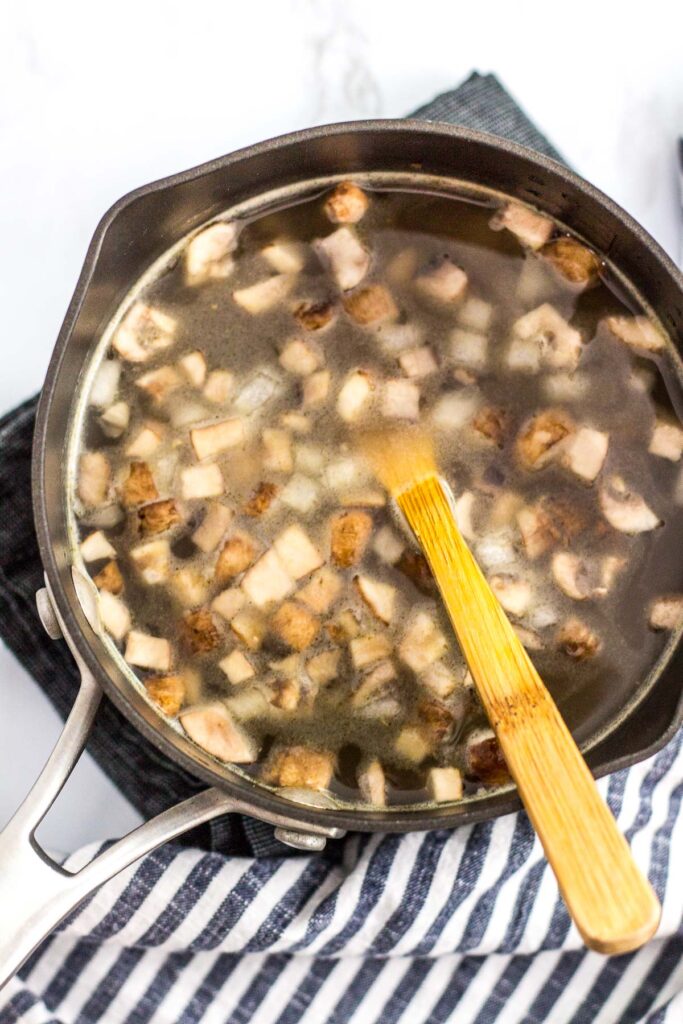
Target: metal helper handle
36, 893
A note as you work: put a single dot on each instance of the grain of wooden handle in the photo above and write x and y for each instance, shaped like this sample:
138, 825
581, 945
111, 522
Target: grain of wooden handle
610, 900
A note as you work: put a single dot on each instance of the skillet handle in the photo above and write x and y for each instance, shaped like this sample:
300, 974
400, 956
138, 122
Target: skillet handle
36, 893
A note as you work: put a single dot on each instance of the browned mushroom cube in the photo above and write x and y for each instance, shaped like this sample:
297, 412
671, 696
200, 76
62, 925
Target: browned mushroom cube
379, 597
158, 517
300, 768
346, 204
261, 499
371, 305
415, 566
350, 535
574, 261
540, 439
199, 631
578, 640
530, 227
313, 316
295, 625
139, 485
484, 759
321, 591
236, 555
168, 692
491, 423
109, 578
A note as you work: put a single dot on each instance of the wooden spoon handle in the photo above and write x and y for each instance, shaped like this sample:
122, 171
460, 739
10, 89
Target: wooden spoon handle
612, 903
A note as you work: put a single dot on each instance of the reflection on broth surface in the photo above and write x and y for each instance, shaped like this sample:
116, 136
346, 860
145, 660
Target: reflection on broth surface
251, 571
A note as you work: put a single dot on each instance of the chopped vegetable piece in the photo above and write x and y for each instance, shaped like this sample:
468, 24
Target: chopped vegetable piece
208, 256
439, 679
214, 729
350, 535
372, 304
152, 560
167, 692
581, 578
105, 385
189, 586
444, 784
193, 366
401, 400
316, 389
219, 386
256, 392
346, 204
159, 384
491, 423
139, 486
115, 419
314, 316
146, 441
379, 597
202, 481
463, 509
286, 694
411, 745
296, 767
513, 594
109, 578
624, 509
445, 283
285, 257
574, 261
578, 640
259, 298
209, 533
250, 626
531, 228
542, 339
667, 612
387, 545
158, 517
344, 628
114, 614
322, 668
236, 555
295, 625
95, 547
94, 478
456, 408
415, 566
355, 395
300, 493
484, 759
298, 422
469, 348
199, 631
277, 445
540, 439
475, 314
321, 591
267, 581
145, 651
418, 362
261, 499
228, 603
372, 784
366, 650
546, 523
422, 643
217, 437
297, 553
300, 357
584, 453
666, 441
237, 667
345, 255
637, 332
142, 332
309, 458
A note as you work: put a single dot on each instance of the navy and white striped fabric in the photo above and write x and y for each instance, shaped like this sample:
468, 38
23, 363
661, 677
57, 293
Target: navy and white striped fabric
465, 927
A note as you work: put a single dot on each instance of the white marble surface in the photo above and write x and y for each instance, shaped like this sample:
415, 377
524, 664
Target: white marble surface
96, 99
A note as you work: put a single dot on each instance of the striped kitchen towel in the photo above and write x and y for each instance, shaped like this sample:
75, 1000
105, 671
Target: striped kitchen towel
456, 926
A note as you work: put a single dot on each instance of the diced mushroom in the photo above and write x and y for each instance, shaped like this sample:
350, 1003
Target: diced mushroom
105, 385
625, 509
415, 566
463, 508
219, 386
578, 640
189, 586
184, 413
142, 332
145, 651
300, 493
95, 547
422, 643
314, 316
152, 560
445, 283
544, 524
372, 304
146, 441
354, 395
286, 694
566, 387
301, 357
411, 745
475, 314
297, 422
208, 255
159, 384
262, 296
456, 408
667, 612
350, 535
584, 453
542, 339
374, 696
296, 552
267, 581
495, 550
236, 555
202, 481
439, 679
346, 204
193, 367
444, 784
323, 667
396, 338
513, 594
667, 441
228, 603
209, 533
401, 400
114, 614
109, 578
344, 627
217, 437
491, 423
531, 228
387, 545
345, 255
248, 702
541, 438
139, 485
256, 392
94, 479
379, 597
575, 262
582, 578
300, 767
285, 257
158, 517
506, 505
309, 458
295, 625
199, 631
215, 730
372, 784
366, 650
637, 332
237, 667
316, 389
321, 591
167, 692
250, 627
114, 420
344, 473
261, 500
529, 638
401, 268
418, 362
469, 348
484, 759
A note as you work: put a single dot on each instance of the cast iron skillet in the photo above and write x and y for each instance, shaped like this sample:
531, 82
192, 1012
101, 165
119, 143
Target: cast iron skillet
34, 893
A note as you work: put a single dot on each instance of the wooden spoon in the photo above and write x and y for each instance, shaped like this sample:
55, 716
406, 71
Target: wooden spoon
612, 903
